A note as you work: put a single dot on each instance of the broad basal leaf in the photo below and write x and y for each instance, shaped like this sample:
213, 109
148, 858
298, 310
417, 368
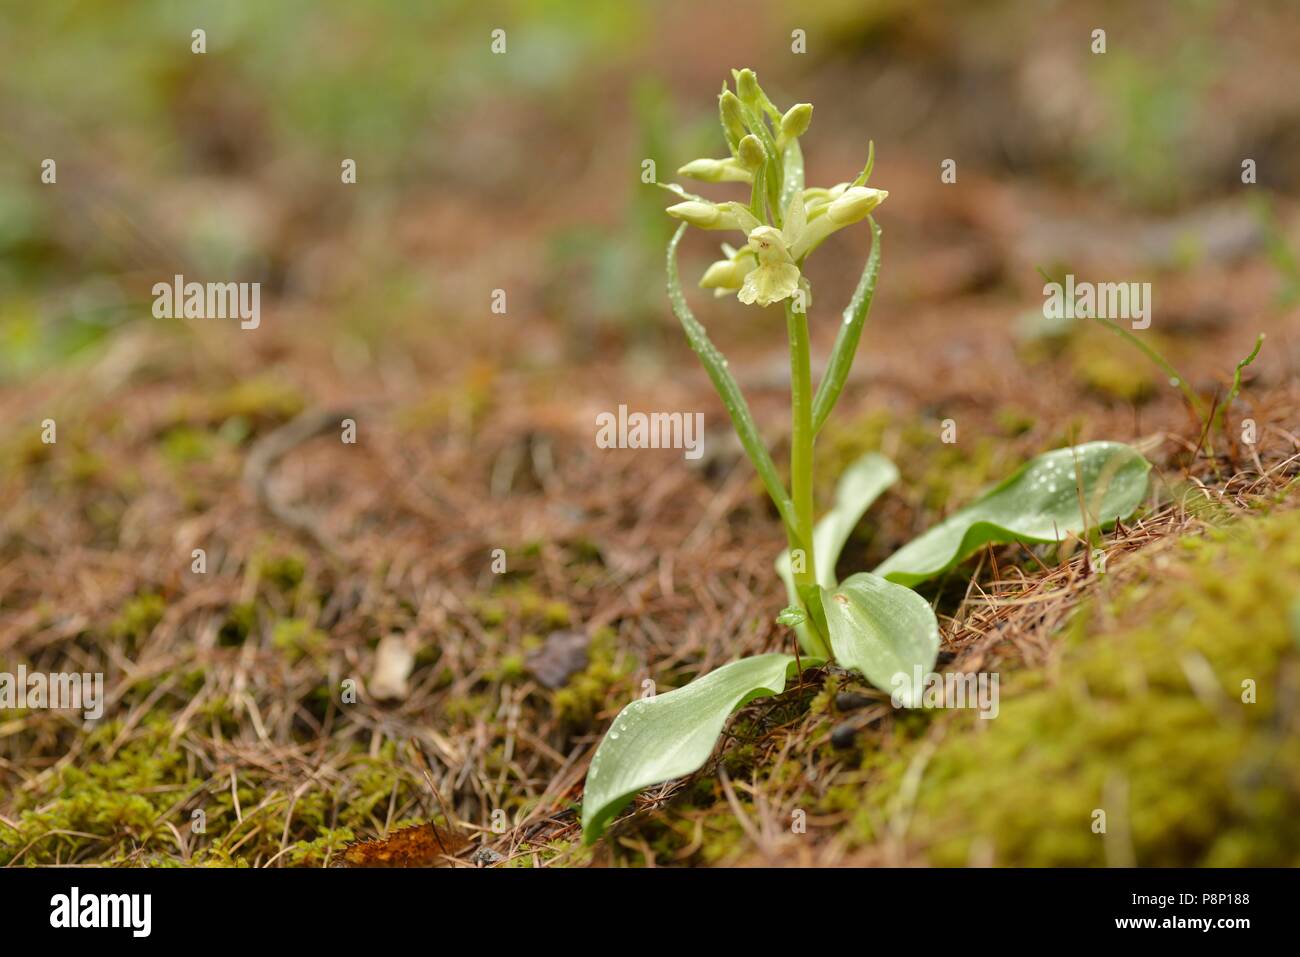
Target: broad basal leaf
1039, 503
859, 486
882, 630
670, 735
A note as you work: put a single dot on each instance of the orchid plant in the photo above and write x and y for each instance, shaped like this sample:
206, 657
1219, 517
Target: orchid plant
871, 623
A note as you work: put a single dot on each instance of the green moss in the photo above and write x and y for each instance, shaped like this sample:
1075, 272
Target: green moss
556, 614
510, 668
844, 440
467, 708
519, 602
241, 621
490, 611
138, 617
938, 472
23, 449
681, 835
317, 852
587, 692
116, 804
85, 467
583, 551
740, 759
283, 572
824, 701
297, 639
101, 806
239, 410
1111, 367
1210, 780
566, 853
958, 472
1013, 420
184, 445
262, 399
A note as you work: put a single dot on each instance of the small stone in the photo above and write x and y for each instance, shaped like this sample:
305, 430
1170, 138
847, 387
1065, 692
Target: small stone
486, 856
844, 736
394, 660
850, 701
562, 655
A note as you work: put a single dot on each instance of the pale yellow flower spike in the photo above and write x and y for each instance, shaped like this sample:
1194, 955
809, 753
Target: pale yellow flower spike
768, 268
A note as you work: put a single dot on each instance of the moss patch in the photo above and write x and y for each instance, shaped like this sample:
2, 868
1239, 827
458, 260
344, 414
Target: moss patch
1143, 718
578, 702
120, 806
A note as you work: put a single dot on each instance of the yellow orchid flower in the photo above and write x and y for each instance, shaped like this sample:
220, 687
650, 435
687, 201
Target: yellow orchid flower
764, 142
728, 275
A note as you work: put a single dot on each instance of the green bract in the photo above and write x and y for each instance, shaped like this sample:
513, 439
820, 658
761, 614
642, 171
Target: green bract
872, 622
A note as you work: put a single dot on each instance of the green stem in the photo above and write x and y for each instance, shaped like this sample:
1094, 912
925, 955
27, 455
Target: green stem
801, 463
801, 441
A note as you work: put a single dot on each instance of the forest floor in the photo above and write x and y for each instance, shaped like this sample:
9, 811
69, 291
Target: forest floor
225, 686
436, 622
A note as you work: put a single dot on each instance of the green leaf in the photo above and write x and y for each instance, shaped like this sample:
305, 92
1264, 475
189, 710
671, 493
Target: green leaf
728, 390
846, 339
861, 178
671, 735
881, 630
1236, 380
792, 616
792, 185
1040, 502
678, 190
859, 486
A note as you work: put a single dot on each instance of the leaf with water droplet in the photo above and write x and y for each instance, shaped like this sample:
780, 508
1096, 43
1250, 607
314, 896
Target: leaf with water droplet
880, 629
859, 486
673, 734
792, 616
1031, 506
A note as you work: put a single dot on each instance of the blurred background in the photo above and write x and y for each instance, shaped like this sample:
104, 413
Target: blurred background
521, 171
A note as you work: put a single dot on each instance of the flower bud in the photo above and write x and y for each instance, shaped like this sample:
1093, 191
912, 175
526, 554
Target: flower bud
716, 171
718, 275
750, 152
708, 170
795, 122
747, 87
733, 120
703, 215
854, 204
723, 274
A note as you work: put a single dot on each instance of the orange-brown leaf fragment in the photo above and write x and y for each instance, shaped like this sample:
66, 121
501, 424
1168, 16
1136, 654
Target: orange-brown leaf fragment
424, 845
